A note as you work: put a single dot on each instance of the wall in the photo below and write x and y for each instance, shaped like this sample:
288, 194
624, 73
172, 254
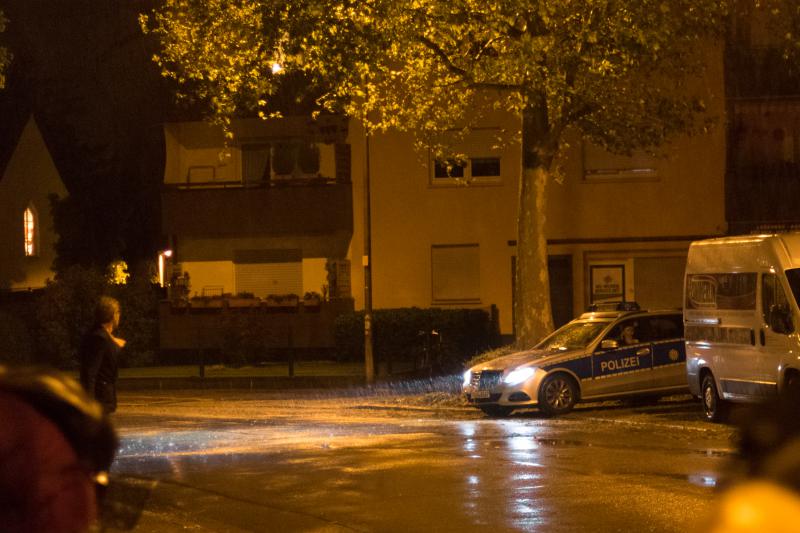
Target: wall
410, 214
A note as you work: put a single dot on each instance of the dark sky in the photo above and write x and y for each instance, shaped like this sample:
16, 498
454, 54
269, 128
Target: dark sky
83, 68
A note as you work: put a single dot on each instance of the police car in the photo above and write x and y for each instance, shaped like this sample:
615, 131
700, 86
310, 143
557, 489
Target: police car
625, 352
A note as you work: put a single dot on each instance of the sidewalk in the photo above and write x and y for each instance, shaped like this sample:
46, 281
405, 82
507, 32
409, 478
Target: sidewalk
306, 374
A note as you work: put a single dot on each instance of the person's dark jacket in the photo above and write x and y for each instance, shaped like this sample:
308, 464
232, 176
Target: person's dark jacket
98, 357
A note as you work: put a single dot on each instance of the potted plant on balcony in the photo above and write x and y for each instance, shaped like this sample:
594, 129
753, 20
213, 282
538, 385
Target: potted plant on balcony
208, 302
243, 299
311, 299
282, 301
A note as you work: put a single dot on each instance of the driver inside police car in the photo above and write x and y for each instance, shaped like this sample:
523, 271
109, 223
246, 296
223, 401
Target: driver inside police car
628, 335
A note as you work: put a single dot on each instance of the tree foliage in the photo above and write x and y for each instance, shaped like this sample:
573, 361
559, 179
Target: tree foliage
783, 21
615, 71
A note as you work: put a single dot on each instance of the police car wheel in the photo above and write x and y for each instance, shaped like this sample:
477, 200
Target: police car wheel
714, 407
557, 394
496, 410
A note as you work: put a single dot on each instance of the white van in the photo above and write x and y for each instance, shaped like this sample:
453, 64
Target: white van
740, 318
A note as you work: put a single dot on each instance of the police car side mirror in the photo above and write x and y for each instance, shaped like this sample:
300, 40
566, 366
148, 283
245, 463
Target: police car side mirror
780, 319
609, 344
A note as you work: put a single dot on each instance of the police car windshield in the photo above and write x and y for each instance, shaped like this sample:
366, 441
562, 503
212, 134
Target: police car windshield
573, 336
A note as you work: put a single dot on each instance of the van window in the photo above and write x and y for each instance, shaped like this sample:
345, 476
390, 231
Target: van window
771, 294
793, 275
729, 291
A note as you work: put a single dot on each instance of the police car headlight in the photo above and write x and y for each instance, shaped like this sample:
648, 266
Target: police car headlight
519, 375
467, 377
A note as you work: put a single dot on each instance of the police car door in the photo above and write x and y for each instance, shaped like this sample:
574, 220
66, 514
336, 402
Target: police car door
669, 350
627, 367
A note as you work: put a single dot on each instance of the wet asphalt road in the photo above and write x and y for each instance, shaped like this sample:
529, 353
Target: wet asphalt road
299, 461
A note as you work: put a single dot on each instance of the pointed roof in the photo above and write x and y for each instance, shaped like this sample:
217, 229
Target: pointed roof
15, 109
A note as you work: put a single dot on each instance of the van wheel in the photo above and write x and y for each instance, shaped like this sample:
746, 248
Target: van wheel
557, 394
496, 410
792, 384
715, 408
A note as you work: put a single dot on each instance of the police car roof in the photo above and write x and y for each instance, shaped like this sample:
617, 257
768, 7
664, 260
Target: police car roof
618, 314
606, 314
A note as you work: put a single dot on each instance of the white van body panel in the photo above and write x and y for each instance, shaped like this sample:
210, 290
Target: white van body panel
747, 358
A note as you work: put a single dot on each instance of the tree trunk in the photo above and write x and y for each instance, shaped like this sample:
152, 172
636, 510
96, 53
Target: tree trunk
533, 316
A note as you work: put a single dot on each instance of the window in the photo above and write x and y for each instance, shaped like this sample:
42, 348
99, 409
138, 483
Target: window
736, 291
255, 163
478, 156
772, 296
601, 165
485, 167
667, 327
30, 230
449, 169
455, 273
295, 159
472, 170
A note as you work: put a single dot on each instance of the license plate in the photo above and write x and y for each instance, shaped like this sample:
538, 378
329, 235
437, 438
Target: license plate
480, 394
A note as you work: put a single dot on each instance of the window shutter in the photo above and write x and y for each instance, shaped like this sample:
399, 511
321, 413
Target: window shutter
455, 273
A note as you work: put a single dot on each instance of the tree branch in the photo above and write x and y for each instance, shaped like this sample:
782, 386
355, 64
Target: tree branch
463, 73
437, 50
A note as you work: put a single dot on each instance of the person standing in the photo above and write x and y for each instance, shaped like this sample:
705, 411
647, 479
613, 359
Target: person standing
99, 354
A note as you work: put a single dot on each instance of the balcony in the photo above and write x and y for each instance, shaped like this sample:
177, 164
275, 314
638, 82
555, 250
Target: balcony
235, 209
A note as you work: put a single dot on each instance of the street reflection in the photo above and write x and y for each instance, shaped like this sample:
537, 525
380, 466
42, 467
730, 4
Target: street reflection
521, 467
703, 480
525, 510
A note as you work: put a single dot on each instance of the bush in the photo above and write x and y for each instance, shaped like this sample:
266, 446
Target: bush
65, 312
16, 341
245, 340
407, 335
139, 323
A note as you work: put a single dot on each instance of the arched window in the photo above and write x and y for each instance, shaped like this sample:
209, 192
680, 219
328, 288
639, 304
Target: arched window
30, 227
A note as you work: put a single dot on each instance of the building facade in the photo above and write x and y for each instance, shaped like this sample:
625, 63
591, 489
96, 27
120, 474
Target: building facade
762, 181
618, 227
271, 214
442, 234
27, 237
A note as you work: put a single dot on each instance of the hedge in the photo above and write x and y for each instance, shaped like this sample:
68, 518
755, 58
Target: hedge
46, 327
440, 338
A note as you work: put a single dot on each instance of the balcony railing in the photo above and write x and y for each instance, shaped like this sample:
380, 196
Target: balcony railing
223, 209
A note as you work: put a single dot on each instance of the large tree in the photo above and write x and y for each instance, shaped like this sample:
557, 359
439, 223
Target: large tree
613, 71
